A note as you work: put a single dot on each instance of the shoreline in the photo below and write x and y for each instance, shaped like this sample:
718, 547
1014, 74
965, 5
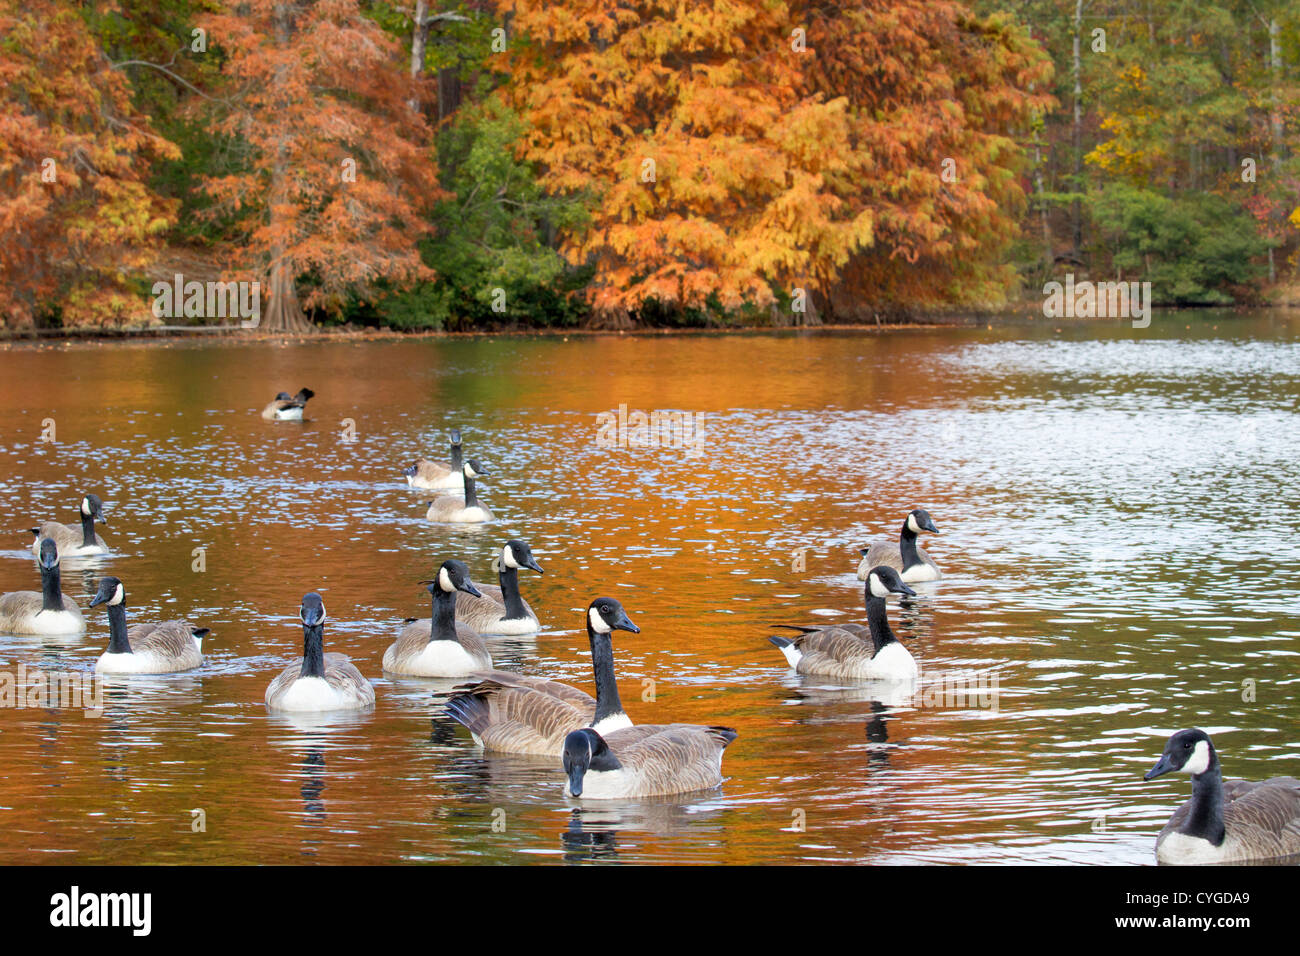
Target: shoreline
165, 336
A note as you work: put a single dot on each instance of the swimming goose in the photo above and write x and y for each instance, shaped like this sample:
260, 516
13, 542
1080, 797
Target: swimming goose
850, 650
906, 557
322, 681
436, 475
510, 713
75, 541
500, 610
286, 409
1226, 821
644, 761
146, 648
48, 612
440, 646
466, 509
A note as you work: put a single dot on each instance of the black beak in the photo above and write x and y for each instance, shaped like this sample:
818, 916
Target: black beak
903, 589
862, 551
455, 436
484, 473
929, 526
1163, 766
99, 516
576, 773
533, 565
97, 600
625, 624
409, 471
52, 563
469, 588
312, 617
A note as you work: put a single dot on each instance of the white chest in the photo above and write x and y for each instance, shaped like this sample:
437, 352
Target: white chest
288, 414
893, 662
920, 572
54, 622
311, 694
1181, 848
613, 722
605, 785
441, 659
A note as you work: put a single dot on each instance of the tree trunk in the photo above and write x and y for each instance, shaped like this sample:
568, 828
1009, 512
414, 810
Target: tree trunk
1076, 207
419, 37
1275, 118
282, 312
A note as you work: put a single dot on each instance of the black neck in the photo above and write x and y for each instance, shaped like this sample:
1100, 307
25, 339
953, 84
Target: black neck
457, 464
444, 615
117, 641
878, 621
1206, 817
603, 759
471, 497
313, 650
88, 530
907, 546
509, 578
602, 663
51, 593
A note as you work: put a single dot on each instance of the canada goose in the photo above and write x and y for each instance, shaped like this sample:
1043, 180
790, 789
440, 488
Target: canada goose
436, 475
48, 612
146, 648
906, 557
850, 650
440, 646
467, 509
71, 540
1226, 821
500, 610
286, 409
645, 761
322, 681
510, 713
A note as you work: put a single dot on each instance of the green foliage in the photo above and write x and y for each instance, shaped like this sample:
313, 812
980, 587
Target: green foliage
493, 245
1195, 250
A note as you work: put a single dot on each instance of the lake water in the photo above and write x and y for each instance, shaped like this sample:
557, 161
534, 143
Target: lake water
1120, 540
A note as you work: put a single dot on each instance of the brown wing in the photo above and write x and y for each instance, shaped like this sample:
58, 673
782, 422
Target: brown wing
565, 692
881, 552
672, 758
1262, 817
482, 612
431, 470
342, 674
282, 681
171, 639
65, 537
514, 718
833, 650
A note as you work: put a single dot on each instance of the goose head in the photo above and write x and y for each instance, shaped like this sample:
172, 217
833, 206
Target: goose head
474, 469
312, 612
1189, 751
49, 557
453, 576
283, 397
882, 580
606, 615
516, 554
110, 592
920, 520
92, 507
455, 436
586, 750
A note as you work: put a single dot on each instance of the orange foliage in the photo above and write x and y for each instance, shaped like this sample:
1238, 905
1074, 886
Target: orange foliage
735, 151
76, 216
332, 170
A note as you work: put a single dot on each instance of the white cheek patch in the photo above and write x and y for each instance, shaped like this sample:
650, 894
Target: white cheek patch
85, 506
508, 557
597, 622
118, 595
444, 581
470, 472
1199, 762
878, 587
911, 523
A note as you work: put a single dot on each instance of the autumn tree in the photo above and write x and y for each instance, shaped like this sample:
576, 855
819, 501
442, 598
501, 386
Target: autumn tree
737, 153
330, 168
77, 217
